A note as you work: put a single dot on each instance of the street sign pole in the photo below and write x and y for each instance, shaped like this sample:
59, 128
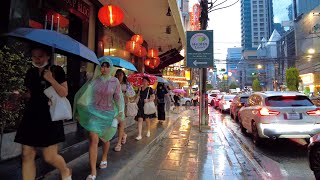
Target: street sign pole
203, 115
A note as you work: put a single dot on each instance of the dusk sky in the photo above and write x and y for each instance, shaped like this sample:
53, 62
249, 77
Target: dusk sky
226, 26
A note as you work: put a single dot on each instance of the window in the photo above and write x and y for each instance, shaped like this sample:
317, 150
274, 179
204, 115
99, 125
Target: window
243, 99
288, 101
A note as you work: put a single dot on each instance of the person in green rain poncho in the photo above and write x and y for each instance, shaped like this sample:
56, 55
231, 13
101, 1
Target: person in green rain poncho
99, 107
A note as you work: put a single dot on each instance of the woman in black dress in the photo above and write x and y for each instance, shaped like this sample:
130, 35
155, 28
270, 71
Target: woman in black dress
161, 93
143, 93
36, 128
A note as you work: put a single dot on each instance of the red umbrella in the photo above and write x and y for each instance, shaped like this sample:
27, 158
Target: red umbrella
136, 79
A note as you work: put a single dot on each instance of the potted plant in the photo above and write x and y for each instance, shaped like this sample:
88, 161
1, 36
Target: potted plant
12, 72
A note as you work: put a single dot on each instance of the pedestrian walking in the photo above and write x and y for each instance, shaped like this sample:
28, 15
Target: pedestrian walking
146, 94
161, 92
99, 105
127, 92
167, 99
195, 100
176, 99
37, 130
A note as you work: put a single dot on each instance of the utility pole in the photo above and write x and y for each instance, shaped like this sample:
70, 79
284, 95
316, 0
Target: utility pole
203, 113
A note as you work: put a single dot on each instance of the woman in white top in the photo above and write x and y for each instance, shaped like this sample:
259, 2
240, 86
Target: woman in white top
127, 93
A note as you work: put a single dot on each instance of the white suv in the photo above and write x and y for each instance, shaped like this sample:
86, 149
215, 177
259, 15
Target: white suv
279, 115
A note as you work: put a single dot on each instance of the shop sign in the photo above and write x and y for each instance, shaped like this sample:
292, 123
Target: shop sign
79, 6
200, 49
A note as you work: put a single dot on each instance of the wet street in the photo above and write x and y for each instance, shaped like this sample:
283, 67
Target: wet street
280, 159
222, 152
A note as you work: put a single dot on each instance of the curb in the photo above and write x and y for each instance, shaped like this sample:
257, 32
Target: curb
121, 174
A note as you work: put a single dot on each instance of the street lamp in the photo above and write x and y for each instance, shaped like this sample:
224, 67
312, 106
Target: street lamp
311, 51
259, 66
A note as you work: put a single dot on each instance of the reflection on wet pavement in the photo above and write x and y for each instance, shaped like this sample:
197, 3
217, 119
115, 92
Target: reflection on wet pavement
188, 154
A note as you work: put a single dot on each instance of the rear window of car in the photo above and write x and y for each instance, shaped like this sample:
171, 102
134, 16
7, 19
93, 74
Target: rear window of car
243, 99
213, 95
316, 101
229, 97
219, 96
288, 101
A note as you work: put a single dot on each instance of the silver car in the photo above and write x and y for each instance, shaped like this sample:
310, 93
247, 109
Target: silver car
224, 103
279, 115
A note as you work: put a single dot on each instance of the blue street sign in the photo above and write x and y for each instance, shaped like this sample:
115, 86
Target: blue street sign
200, 49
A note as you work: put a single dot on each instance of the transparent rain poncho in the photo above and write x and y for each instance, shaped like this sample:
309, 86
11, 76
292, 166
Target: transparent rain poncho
99, 102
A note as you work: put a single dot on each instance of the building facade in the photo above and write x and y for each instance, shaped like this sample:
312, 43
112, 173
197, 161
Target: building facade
233, 58
307, 30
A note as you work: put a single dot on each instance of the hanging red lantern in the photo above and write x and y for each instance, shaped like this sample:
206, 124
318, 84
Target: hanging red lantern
137, 38
152, 53
132, 46
147, 62
141, 52
156, 61
110, 15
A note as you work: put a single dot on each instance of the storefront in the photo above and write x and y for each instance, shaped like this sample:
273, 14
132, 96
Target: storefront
75, 18
310, 83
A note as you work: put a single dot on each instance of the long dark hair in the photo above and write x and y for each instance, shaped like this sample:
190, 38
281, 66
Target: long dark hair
124, 75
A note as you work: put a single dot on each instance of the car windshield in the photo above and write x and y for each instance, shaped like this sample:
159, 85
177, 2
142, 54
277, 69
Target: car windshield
229, 97
288, 101
243, 99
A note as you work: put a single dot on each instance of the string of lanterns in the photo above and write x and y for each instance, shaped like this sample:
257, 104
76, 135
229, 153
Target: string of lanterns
110, 16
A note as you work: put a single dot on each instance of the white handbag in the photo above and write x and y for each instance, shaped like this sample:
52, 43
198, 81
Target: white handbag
149, 107
132, 109
60, 108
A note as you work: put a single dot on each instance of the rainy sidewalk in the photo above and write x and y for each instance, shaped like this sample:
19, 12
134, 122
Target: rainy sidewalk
118, 162
187, 154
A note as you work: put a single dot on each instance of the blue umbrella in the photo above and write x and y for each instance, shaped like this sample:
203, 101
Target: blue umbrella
56, 40
162, 80
119, 62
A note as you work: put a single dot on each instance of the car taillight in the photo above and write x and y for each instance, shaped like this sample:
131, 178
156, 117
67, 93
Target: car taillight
239, 104
315, 112
267, 112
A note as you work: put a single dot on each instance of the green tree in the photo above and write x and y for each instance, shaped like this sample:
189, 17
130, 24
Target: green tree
292, 79
209, 87
256, 85
12, 72
233, 85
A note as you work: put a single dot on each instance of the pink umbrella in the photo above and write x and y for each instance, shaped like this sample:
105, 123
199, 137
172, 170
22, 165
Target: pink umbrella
179, 91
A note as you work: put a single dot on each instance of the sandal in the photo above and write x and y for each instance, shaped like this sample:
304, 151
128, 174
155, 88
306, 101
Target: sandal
103, 164
91, 177
124, 139
117, 148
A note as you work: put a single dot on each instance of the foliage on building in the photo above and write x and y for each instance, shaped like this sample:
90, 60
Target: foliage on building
12, 72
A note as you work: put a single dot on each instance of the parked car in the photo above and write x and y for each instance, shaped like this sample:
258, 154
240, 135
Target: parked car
316, 101
314, 155
185, 101
216, 101
279, 115
211, 98
224, 103
237, 103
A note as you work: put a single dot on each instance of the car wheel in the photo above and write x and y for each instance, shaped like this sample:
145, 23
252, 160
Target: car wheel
242, 129
257, 140
188, 103
212, 103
